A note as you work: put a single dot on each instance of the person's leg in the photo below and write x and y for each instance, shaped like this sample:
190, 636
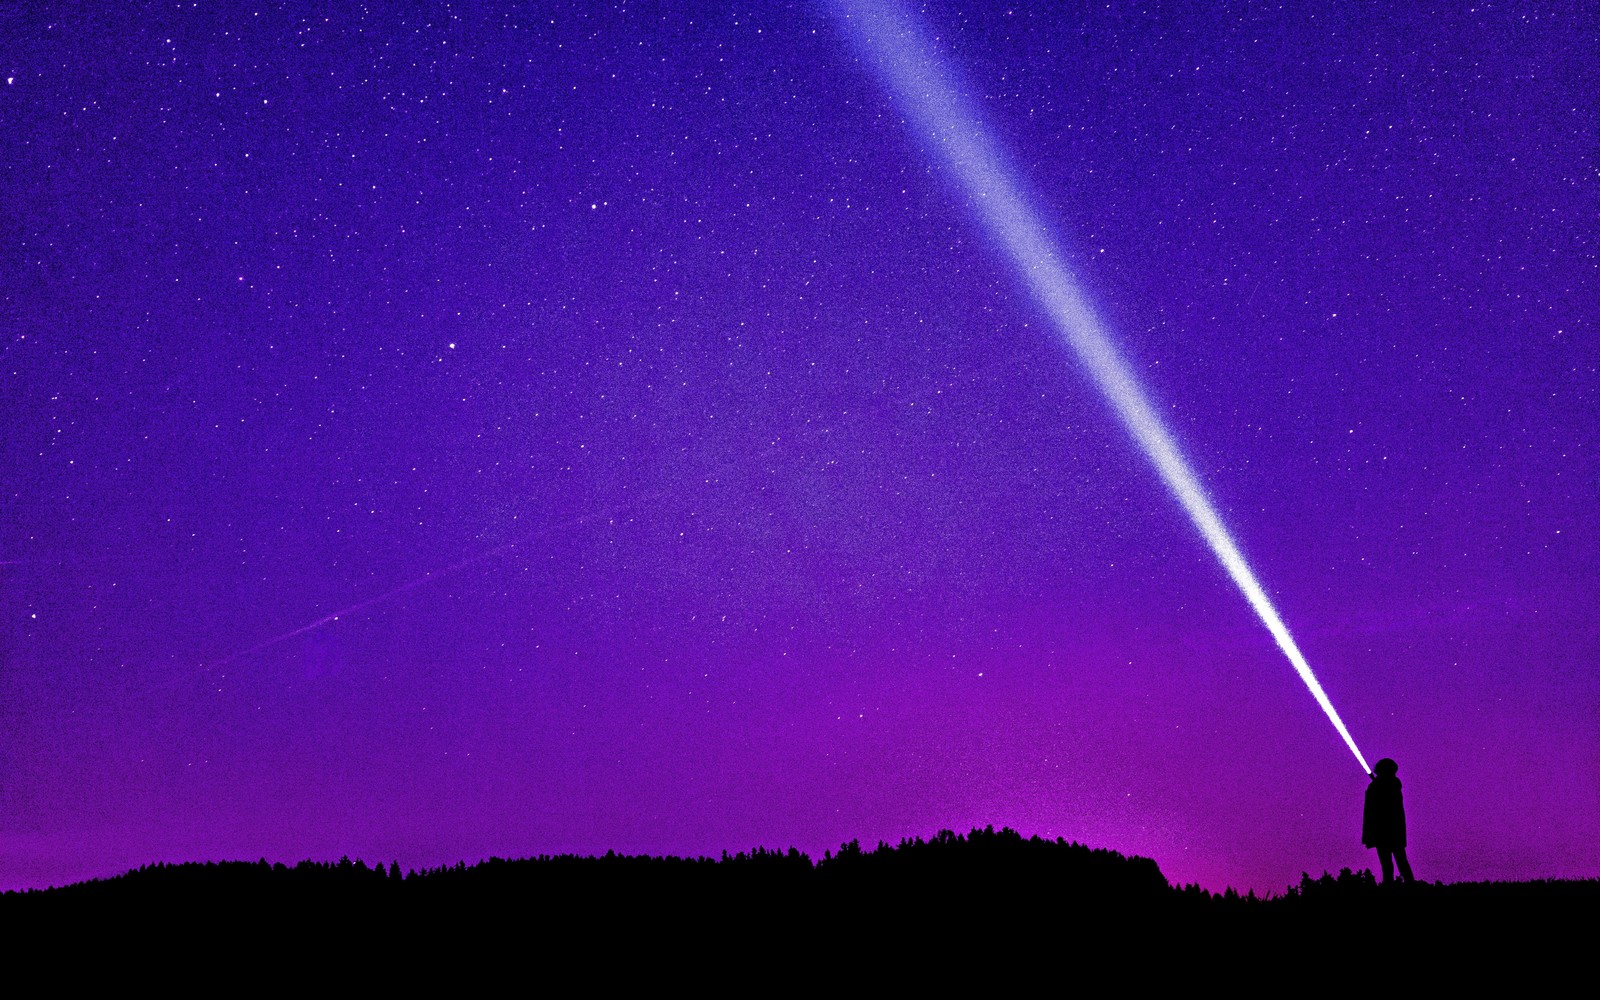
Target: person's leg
1405, 866
1386, 860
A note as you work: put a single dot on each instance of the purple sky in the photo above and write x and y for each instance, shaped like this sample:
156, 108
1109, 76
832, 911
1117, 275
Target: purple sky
747, 498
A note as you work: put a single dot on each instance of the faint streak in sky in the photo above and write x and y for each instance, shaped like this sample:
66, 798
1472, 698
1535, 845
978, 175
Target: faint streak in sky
411, 585
862, 413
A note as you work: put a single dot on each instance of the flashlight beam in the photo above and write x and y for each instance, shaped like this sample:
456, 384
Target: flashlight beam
950, 127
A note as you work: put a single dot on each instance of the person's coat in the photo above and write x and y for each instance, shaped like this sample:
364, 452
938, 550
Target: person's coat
1383, 821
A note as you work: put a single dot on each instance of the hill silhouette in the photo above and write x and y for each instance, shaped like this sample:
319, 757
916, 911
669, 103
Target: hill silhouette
987, 904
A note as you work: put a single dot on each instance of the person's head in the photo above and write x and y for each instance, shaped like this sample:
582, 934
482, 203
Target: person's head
1386, 768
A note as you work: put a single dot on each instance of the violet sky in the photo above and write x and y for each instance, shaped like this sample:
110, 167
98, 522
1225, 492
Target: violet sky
686, 473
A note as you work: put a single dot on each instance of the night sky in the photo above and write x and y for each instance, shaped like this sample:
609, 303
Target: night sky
436, 433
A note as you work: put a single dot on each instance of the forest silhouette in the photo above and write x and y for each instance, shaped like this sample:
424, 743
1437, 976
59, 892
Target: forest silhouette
988, 903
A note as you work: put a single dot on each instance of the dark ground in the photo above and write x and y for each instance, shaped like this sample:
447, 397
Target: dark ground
987, 911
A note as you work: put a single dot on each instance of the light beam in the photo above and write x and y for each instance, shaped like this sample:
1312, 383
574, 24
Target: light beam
950, 127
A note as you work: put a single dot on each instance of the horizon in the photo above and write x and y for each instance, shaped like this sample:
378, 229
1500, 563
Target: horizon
393, 870
439, 435
785, 853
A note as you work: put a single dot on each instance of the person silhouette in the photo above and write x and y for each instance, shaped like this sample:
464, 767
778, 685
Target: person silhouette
1383, 821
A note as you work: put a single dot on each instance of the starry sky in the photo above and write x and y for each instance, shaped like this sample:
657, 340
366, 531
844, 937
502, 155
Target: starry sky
443, 431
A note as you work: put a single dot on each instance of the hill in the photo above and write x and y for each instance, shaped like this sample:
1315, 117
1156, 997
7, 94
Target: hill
989, 903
